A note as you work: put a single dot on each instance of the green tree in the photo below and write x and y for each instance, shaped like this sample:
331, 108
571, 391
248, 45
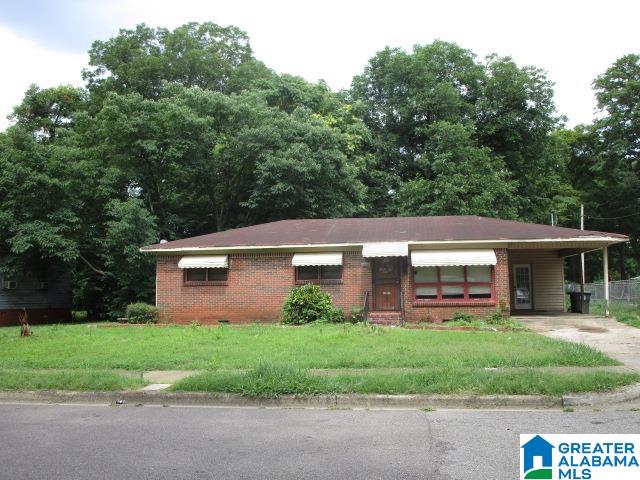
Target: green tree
203, 160
302, 171
37, 217
509, 110
45, 111
403, 93
131, 273
457, 177
605, 163
195, 54
54, 192
516, 118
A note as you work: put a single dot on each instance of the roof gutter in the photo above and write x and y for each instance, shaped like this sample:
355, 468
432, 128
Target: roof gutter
199, 250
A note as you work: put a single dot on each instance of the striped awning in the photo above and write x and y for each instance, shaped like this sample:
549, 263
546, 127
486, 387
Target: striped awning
385, 249
304, 259
204, 261
442, 258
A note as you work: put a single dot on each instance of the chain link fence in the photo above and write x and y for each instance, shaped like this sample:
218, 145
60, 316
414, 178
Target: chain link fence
620, 290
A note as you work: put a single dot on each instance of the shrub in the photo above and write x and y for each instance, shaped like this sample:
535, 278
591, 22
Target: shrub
142, 313
79, 315
356, 315
337, 315
308, 303
463, 317
496, 318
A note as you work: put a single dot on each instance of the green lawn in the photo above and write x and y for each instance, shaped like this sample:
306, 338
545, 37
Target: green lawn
272, 380
106, 357
313, 346
623, 312
76, 379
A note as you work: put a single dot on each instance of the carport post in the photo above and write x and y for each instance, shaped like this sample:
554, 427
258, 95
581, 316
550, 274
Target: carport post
605, 261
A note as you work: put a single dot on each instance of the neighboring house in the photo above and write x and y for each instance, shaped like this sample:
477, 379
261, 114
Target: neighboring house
414, 268
45, 295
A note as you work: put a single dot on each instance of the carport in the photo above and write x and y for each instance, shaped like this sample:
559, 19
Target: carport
536, 271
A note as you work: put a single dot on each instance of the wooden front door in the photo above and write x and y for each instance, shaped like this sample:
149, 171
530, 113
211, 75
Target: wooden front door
386, 283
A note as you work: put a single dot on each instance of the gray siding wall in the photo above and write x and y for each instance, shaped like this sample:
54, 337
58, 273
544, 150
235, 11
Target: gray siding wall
29, 295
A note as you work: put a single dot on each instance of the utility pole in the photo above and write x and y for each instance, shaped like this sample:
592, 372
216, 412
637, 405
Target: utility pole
582, 275
605, 260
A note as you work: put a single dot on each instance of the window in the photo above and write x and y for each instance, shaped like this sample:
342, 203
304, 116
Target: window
319, 274
473, 282
43, 280
196, 275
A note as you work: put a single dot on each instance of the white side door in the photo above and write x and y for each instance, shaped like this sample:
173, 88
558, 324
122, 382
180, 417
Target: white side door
522, 287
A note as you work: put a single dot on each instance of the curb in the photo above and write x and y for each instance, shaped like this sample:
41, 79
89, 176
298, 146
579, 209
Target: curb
289, 401
629, 393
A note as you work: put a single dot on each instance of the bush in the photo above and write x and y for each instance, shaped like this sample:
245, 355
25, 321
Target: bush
79, 315
356, 315
308, 303
142, 313
463, 317
496, 318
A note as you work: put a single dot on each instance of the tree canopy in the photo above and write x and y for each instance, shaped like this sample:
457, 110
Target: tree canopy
605, 158
183, 132
506, 109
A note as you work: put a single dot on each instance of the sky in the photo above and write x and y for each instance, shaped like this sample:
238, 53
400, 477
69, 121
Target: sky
45, 42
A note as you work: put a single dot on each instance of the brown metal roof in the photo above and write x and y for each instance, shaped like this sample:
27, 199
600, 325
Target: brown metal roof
391, 229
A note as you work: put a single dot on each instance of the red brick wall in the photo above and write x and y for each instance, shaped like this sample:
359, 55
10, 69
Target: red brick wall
425, 312
259, 283
256, 288
36, 316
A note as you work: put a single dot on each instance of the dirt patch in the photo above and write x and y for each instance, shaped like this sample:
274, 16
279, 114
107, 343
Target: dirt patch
443, 327
593, 329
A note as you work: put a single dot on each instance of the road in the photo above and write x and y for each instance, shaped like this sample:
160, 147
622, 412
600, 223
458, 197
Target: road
127, 442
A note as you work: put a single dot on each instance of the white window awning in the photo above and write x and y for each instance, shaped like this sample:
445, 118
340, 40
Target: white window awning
385, 249
442, 258
204, 261
306, 259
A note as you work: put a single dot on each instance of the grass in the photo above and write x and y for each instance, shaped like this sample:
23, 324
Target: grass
507, 324
623, 312
268, 380
313, 346
94, 380
268, 360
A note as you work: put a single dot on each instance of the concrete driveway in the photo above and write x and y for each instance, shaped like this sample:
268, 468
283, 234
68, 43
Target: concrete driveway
615, 339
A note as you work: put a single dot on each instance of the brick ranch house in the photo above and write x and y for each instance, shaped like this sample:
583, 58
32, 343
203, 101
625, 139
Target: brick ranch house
409, 268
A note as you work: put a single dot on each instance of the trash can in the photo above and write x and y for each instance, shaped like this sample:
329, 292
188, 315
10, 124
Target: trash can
580, 303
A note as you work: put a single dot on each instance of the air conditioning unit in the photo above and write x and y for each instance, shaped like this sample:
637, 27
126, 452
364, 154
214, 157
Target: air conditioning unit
44, 285
9, 284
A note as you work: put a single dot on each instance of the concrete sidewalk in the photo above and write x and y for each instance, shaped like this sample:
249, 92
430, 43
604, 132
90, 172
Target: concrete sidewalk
615, 339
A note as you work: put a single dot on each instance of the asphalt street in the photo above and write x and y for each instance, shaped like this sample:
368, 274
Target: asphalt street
129, 442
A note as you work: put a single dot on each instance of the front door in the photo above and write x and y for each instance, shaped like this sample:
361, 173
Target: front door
386, 283
522, 287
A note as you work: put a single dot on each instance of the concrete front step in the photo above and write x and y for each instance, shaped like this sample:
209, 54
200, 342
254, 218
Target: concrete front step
385, 318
